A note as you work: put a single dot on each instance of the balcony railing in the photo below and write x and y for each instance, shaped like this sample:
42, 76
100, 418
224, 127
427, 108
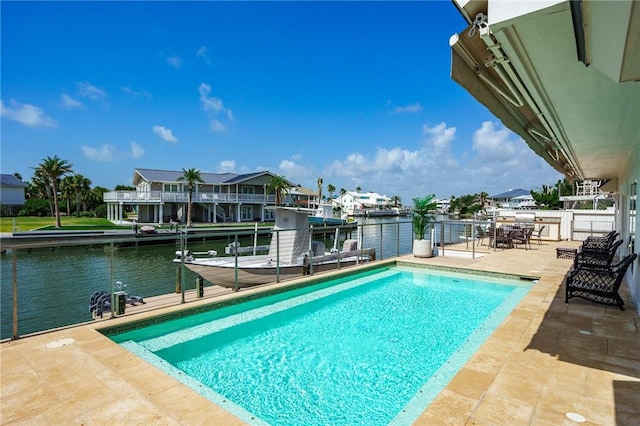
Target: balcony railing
135, 197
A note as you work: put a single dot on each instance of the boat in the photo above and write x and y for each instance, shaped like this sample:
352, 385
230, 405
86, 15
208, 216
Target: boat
291, 254
324, 216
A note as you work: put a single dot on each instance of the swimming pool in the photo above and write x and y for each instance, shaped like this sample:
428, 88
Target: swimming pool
373, 348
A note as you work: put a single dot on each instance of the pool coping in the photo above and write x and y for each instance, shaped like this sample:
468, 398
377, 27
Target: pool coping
536, 368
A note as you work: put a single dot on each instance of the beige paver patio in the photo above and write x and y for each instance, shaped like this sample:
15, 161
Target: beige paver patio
547, 359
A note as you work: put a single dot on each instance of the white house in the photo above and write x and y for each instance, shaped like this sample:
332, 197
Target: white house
11, 193
517, 199
161, 196
352, 202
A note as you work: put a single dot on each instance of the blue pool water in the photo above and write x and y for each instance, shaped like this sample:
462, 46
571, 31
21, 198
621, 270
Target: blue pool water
373, 349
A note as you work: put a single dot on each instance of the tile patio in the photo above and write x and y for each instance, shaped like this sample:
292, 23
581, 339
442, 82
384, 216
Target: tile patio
545, 360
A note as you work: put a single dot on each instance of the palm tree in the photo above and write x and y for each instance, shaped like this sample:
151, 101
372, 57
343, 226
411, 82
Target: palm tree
66, 190
191, 176
482, 199
82, 189
331, 190
51, 169
358, 188
320, 190
279, 186
396, 200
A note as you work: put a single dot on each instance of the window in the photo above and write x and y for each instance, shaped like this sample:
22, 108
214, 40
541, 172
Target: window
171, 187
246, 213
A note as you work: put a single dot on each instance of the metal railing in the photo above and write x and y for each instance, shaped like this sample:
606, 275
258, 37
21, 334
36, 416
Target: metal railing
134, 197
47, 281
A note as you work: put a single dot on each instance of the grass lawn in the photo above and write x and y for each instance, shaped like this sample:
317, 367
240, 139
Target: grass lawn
28, 223
25, 223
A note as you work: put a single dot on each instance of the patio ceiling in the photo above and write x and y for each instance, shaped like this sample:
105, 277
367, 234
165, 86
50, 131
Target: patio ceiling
524, 63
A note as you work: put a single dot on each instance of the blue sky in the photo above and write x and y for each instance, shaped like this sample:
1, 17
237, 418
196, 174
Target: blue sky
358, 93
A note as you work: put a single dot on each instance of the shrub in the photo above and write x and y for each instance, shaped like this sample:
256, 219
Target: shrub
35, 207
101, 211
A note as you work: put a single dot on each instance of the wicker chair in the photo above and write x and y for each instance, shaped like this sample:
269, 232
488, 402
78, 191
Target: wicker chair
602, 257
599, 243
599, 284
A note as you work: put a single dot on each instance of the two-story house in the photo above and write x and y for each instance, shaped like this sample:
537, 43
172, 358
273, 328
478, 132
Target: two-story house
353, 203
160, 197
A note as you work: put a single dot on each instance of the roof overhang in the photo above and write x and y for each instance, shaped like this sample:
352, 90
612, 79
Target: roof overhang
562, 75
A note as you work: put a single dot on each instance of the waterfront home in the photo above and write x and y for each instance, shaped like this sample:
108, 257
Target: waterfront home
161, 197
443, 205
352, 202
514, 199
563, 75
11, 193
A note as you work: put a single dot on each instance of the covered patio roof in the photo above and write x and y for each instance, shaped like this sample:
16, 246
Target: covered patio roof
563, 75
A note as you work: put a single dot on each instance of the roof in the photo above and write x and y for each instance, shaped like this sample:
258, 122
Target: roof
11, 180
512, 193
153, 175
561, 74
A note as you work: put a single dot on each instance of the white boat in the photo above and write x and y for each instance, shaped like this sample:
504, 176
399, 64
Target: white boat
292, 254
324, 216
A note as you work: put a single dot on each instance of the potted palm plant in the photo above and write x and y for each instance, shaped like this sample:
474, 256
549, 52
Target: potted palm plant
422, 221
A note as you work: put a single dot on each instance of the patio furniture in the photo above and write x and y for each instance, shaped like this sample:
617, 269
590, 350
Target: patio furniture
503, 237
522, 236
480, 234
599, 243
566, 253
597, 257
539, 234
599, 284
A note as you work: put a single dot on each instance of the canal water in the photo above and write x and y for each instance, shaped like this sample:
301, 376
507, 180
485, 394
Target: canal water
55, 284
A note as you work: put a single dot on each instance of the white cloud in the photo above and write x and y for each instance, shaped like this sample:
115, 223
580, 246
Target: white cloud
27, 114
136, 150
203, 53
494, 145
440, 136
135, 93
173, 60
415, 107
217, 126
295, 171
88, 90
165, 134
209, 103
109, 153
227, 166
215, 106
68, 102
106, 153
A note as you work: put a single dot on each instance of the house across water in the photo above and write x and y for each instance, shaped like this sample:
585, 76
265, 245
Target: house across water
161, 197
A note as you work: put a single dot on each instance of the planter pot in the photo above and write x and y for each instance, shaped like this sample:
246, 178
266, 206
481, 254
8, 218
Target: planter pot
422, 248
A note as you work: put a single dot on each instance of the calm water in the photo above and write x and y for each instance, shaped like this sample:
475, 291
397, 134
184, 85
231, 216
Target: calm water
371, 350
54, 286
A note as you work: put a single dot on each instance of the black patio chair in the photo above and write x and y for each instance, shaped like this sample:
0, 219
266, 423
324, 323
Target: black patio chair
602, 257
599, 243
599, 284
